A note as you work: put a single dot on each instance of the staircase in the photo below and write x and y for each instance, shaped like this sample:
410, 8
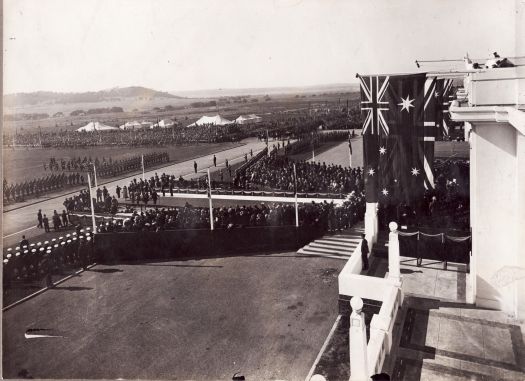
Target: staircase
338, 246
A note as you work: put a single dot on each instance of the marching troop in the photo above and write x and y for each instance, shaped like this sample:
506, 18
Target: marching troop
43, 259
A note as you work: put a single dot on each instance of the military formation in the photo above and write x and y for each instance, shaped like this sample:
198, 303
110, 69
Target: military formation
20, 191
34, 261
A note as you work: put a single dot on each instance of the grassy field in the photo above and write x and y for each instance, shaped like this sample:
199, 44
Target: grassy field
26, 164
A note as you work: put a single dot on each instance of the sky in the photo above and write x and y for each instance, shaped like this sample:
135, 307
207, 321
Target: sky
90, 45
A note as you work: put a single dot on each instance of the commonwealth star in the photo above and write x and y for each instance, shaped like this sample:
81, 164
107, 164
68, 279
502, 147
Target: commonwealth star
406, 103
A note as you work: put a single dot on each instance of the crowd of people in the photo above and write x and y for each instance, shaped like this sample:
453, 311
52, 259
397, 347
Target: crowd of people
133, 138
446, 206
103, 202
325, 215
279, 125
276, 173
20, 191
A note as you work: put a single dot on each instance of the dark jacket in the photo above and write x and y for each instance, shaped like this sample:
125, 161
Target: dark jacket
364, 246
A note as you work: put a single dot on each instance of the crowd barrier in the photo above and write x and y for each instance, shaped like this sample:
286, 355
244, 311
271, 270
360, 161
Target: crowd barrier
173, 244
233, 192
440, 247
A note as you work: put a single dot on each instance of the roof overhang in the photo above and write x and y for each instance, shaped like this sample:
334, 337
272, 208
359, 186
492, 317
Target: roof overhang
489, 114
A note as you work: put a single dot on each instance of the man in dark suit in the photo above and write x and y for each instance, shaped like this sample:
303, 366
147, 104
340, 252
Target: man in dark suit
39, 218
364, 252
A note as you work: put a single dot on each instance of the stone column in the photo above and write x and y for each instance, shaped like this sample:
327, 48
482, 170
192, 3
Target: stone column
394, 270
358, 345
371, 223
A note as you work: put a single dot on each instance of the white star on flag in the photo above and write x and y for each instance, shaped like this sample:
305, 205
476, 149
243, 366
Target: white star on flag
382, 150
371, 172
415, 171
385, 192
406, 103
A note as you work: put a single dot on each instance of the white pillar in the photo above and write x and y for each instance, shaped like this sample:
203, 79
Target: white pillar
371, 223
394, 270
358, 345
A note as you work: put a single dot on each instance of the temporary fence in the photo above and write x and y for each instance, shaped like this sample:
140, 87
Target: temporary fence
441, 247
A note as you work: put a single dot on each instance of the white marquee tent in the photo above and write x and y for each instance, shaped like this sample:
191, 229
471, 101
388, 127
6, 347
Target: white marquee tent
216, 120
131, 125
96, 126
252, 118
164, 123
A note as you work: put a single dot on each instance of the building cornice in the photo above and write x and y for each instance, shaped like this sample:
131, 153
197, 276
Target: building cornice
489, 114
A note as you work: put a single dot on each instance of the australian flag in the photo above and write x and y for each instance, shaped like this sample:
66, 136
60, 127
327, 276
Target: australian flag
398, 147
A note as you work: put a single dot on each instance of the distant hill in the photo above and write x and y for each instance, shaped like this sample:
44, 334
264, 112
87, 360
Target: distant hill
115, 94
319, 89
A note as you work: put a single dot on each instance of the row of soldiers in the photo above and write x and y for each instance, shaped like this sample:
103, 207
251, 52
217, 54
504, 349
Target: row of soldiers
43, 259
116, 167
36, 187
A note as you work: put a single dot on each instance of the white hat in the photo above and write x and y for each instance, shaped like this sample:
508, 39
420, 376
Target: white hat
56, 244
46, 243
5, 261
9, 255
8, 250
17, 254
17, 248
89, 238
62, 243
68, 235
33, 250
68, 241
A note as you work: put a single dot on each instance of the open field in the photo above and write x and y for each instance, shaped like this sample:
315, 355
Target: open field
264, 315
26, 164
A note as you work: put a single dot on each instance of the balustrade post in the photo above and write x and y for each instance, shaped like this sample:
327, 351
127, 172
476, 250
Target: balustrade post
394, 267
358, 344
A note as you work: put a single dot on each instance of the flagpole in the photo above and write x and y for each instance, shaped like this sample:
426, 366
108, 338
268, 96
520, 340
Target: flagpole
209, 200
95, 175
143, 176
92, 206
349, 149
295, 193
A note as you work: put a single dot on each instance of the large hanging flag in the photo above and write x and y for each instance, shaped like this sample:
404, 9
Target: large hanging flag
393, 132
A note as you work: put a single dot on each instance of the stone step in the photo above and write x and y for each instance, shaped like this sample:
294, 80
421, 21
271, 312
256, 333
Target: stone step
340, 239
336, 243
305, 251
333, 247
328, 250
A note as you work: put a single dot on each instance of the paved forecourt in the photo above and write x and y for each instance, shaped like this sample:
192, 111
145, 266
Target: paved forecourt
23, 220
263, 315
